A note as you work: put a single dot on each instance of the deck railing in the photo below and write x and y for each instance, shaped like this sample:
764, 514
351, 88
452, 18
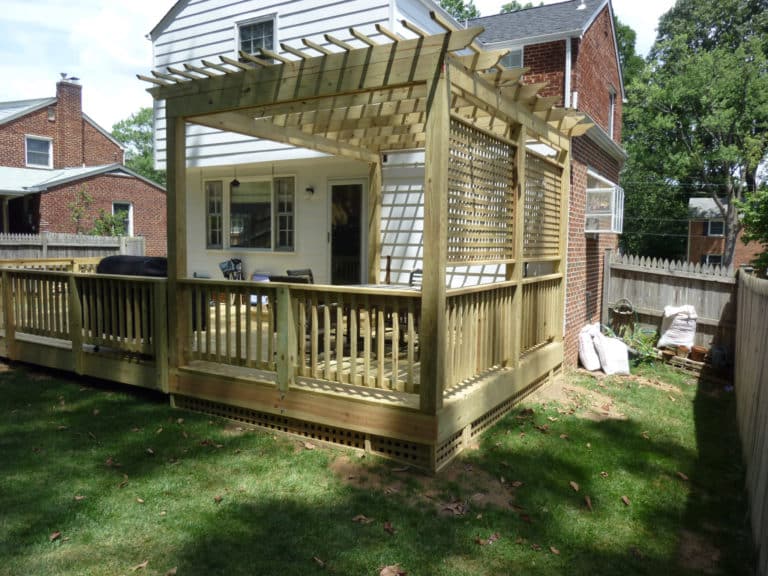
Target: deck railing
542, 311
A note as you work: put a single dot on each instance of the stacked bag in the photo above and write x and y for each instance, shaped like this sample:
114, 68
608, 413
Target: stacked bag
598, 351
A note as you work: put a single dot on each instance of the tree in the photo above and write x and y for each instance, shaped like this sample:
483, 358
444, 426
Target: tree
78, 208
135, 132
754, 218
460, 10
631, 63
698, 119
110, 224
515, 6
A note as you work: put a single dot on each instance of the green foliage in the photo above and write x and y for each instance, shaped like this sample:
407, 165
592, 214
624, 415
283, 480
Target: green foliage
460, 10
135, 132
109, 224
631, 63
79, 207
698, 115
754, 219
515, 6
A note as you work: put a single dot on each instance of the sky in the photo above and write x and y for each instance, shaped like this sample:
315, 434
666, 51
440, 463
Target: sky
103, 42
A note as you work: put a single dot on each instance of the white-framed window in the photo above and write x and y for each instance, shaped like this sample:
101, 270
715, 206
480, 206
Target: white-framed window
255, 34
513, 59
214, 223
38, 151
605, 205
714, 228
714, 259
611, 112
259, 213
124, 210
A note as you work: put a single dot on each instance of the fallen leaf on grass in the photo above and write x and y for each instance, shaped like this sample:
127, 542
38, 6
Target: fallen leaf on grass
516, 507
603, 474
78, 498
458, 508
551, 418
159, 430
389, 528
318, 561
490, 540
150, 452
140, 566
171, 572
564, 436
588, 502
625, 500
362, 519
95, 411
110, 463
554, 551
393, 570
92, 435
218, 499
672, 398
54, 536
682, 476
402, 469
389, 490
140, 500
522, 434
574, 485
309, 446
62, 428
179, 420
124, 483
645, 435
517, 484
536, 547
543, 428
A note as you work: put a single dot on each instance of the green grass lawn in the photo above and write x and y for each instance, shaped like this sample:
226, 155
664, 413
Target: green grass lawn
106, 480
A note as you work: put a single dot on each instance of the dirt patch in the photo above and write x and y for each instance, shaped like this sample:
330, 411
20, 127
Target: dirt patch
455, 491
697, 553
581, 401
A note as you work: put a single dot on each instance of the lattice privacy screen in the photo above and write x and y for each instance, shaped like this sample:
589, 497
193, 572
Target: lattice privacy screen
542, 208
481, 201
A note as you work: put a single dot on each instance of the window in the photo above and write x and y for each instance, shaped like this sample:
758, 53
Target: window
714, 228
38, 151
255, 35
605, 205
124, 211
514, 59
260, 214
714, 259
611, 111
214, 227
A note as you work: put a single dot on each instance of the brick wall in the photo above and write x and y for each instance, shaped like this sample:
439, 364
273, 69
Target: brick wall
699, 245
584, 267
597, 72
149, 215
547, 65
75, 141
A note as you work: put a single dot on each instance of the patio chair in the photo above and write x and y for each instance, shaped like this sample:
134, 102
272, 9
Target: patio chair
302, 272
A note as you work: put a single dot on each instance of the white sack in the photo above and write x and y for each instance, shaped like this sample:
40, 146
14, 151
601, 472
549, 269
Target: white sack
613, 354
678, 328
587, 353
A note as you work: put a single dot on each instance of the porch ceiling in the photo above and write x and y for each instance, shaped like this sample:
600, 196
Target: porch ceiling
359, 101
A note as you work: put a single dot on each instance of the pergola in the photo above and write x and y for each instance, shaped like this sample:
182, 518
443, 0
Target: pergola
442, 93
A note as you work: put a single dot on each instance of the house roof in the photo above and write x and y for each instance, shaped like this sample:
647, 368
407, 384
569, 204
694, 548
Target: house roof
560, 20
704, 209
12, 110
15, 182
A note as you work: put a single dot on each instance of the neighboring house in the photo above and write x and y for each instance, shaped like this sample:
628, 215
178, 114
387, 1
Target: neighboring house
315, 208
51, 152
571, 47
706, 236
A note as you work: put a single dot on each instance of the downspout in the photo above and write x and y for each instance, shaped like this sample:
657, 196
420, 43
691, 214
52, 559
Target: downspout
567, 95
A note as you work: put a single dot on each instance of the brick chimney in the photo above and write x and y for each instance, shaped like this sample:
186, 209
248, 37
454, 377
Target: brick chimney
68, 146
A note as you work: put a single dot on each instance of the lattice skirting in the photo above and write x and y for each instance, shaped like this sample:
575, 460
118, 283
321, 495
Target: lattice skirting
423, 456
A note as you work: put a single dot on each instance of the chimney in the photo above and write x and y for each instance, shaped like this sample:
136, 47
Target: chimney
68, 145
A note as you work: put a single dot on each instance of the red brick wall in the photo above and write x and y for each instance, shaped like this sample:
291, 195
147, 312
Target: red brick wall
699, 245
149, 215
75, 141
547, 65
597, 71
584, 267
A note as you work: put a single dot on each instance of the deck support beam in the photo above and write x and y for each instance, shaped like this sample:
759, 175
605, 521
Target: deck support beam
518, 270
433, 295
374, 222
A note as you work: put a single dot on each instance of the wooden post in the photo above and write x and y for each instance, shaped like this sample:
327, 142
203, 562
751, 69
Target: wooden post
6, 220
44, 244
76, 324
176, 200
286, 339
433, 322
10, 319
518, 270
564, 159
374, 222
160, 325
606, 286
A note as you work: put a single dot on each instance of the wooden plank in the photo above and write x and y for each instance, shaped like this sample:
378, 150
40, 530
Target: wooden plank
286, 340
75, 324
433, 306
374, 221
160, 333
9, 313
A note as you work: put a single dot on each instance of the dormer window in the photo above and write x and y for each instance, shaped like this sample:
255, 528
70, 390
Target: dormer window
256, 34
39, 152
514, 59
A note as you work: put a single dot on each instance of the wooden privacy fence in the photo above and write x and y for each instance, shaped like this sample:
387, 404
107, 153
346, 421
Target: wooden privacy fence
59, 245
751, 385
650, 284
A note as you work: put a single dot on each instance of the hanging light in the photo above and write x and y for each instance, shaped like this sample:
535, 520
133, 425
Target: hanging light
235, 182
